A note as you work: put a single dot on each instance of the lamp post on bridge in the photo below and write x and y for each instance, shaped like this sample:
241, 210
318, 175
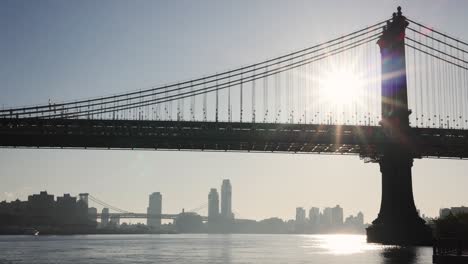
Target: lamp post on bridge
398, 221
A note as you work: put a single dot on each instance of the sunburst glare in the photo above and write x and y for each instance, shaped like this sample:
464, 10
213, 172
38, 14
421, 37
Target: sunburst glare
341, 86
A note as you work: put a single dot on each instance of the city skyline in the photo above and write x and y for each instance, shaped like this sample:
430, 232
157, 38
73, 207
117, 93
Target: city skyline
46, 213
177, 206
126, 178
333, 215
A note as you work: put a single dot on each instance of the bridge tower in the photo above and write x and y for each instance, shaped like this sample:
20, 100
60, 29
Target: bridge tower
398, 221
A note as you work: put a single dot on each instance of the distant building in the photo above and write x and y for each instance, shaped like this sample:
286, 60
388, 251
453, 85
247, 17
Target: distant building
356, 221
189, 223
66, 209
444, 212
104, 217
360, 219
154, 208
354, 224
92, 214
83, 197
226, 200
459, 210
314, 216
337, 216
300, 215
213, 204
326, 217
114, 220
41, 208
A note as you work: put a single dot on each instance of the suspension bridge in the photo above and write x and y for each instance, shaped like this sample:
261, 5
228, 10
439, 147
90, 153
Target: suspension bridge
389, 103
125, 214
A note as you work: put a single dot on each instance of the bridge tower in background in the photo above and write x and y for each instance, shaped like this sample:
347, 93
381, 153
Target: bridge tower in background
398, 221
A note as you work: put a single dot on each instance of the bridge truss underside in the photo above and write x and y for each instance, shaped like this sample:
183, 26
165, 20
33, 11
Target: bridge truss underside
365, 141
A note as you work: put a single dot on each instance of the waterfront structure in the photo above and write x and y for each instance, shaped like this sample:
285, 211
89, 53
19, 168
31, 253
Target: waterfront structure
444, 212
41, 210
226, 200
213, 205
155, 209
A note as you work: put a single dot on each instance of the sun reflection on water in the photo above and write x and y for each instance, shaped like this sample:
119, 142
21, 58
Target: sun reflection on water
341, 244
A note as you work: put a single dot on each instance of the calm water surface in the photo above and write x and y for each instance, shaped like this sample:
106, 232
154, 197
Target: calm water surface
204, 249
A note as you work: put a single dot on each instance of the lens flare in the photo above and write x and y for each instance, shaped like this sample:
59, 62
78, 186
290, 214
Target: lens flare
341, 86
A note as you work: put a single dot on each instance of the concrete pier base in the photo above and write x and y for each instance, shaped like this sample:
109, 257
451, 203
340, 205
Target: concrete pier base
398, 222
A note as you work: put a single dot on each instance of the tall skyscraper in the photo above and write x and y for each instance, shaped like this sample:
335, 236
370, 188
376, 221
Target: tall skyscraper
300, 215
337, 216
154, 208
226, 199
360, 219
326, 217
104, 217
213, 204
314, 215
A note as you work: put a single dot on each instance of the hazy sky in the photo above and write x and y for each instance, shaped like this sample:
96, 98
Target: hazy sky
73, 49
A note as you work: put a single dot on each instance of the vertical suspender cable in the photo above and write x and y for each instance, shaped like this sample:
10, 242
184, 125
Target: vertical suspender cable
265, 96
253, 97
452, 94
421, 84
416, 87
445, 83
286, 97
439, 90
277, 97
433, 82
307, 91
205, 104
465, 97
458, 116
192, 103
241, 96
217, 101
229, 99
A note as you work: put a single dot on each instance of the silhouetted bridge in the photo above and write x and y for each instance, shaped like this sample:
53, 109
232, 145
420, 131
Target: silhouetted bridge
145, 216
405, 99
225, 136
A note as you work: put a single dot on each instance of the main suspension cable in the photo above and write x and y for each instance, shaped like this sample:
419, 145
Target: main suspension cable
203, 80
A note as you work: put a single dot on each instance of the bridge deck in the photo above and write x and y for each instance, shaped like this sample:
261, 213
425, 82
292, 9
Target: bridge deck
364, 141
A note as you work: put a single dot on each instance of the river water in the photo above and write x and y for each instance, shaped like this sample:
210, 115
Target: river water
202, 248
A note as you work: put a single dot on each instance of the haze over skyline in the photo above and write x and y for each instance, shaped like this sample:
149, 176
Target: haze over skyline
56, 50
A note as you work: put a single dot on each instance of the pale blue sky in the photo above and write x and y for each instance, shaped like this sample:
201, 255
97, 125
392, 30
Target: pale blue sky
73, 49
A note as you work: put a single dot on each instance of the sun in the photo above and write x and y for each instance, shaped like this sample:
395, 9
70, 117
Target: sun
341, 86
